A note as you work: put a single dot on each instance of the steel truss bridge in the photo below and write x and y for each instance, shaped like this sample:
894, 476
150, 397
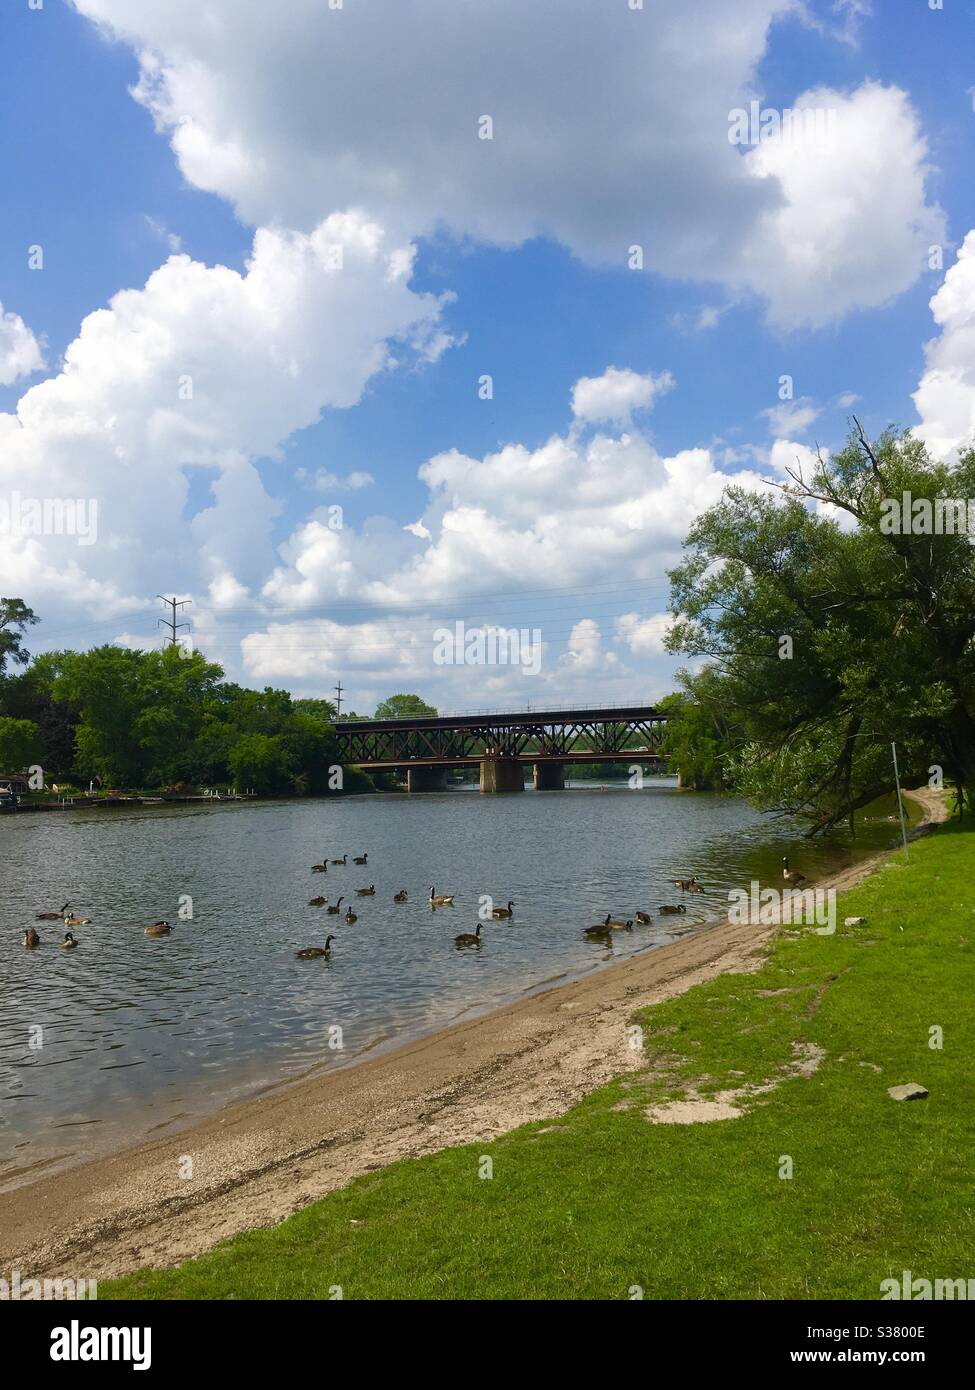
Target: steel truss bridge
500, 744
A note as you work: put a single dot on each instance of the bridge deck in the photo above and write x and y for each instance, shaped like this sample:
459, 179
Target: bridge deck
584, 714
594, 734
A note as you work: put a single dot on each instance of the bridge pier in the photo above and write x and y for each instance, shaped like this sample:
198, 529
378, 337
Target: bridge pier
426, 779
549, 777
502, 775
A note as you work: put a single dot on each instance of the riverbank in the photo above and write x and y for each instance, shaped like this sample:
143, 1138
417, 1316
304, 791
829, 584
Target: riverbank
254, 1164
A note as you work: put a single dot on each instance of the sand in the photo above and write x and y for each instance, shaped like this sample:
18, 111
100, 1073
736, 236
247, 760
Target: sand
255, 1163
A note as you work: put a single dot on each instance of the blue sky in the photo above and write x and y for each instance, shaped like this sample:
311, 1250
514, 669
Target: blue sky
607, 135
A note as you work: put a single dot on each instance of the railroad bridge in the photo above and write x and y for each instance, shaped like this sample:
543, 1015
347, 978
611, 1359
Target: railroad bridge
501, 744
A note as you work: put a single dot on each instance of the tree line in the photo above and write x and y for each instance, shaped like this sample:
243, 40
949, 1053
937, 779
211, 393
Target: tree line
160, 719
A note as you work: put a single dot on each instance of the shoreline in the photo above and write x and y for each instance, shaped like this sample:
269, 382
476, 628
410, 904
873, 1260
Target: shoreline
257, 1161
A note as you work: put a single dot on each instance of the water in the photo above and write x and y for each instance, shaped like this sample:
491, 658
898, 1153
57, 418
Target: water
141, 1035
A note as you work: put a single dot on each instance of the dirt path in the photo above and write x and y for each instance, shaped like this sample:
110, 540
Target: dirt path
257, 1162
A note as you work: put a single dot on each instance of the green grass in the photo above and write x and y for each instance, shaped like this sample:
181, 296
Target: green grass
607, 1200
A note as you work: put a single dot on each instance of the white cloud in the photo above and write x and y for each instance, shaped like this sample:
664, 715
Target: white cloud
849, 227
584, 649
644, 636
321, 480
203, 368
792, 417
378, 106
570, 512
615, 395
945, 397
20, 352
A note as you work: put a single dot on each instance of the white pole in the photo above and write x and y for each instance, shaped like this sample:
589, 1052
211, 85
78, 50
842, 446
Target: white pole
900, 804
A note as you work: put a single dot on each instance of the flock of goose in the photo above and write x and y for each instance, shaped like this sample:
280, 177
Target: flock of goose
602, 931
68, 919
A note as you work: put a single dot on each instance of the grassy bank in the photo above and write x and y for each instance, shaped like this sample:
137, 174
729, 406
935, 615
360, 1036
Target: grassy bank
602, 1200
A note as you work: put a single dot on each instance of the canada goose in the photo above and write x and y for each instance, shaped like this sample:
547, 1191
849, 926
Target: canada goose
334, 910
315, 952
684, 884
467, 938
319, 868
698, 888
343, 860
600, 933
317, 902
69, 942
159, 929
361, 858
77, 921
791, 875
53, 916
401, 896
503, 911
643, 918
668, 910
31, 939
369, 892
617, 924
441, 899
351, 916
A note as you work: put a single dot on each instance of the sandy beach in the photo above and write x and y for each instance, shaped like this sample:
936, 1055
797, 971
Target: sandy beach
255, 1163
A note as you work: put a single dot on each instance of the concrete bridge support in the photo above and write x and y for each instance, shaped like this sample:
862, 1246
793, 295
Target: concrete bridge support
426, 779
502, 775
549, 777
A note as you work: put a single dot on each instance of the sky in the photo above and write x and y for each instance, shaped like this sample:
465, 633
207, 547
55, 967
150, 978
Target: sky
353, 320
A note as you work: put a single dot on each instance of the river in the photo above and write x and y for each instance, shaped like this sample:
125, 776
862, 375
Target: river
128, 1036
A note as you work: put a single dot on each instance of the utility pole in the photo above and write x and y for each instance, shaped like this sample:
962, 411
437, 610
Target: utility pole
171, 623
338, 698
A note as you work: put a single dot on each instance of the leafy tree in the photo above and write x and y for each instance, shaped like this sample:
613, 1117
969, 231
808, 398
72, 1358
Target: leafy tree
829, 644
15, 618
30, 696
21, 744
700, 740
261, 762
403, 707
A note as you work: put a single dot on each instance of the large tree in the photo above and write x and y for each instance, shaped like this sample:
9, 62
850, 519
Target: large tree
831, 642
403, 707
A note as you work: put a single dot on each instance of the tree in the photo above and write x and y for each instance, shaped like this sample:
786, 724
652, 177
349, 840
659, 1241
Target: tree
30, 695
403, 707
21, 744
260, 762
15, 617
700, 740
829, 644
